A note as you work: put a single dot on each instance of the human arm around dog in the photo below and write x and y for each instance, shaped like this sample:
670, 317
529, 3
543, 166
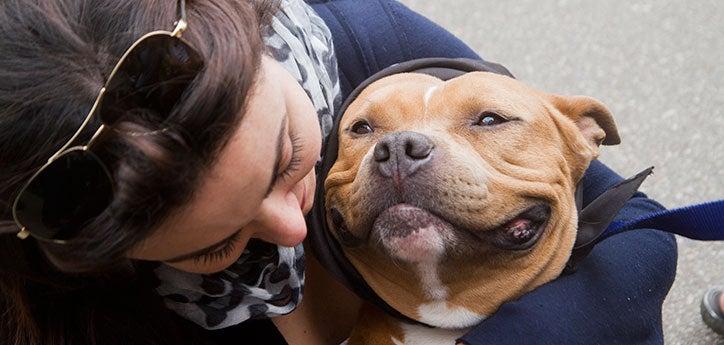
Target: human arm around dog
617, 292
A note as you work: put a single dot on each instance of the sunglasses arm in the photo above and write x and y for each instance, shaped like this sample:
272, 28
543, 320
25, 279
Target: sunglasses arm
181, 24
82, 126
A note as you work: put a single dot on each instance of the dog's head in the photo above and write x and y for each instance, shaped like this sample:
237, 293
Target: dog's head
452, 197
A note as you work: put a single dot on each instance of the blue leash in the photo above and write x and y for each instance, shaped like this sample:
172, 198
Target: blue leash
704, 222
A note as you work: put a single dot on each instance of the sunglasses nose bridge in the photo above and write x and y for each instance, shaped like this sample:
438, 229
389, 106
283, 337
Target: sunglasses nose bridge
87, 204
23, 234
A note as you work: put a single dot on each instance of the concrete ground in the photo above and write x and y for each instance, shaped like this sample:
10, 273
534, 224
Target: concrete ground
659, 66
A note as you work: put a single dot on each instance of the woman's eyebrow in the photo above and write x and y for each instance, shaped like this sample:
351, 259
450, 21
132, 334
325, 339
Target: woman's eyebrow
278, 159
202, 251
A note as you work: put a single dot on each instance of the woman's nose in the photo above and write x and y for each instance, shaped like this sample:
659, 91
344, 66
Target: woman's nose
281, 220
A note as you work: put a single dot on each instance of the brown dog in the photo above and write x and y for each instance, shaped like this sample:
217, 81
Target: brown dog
453, 197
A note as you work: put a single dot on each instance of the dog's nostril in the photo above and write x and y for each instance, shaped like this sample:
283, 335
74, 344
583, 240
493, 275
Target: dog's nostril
382, 152
398, 155
418, 148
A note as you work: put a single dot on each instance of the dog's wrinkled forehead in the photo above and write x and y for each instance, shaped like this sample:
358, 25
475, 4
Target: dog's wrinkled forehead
442, 68
404, 102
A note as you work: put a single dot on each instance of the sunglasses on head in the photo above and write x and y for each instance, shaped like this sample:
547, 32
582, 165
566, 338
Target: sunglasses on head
74, 186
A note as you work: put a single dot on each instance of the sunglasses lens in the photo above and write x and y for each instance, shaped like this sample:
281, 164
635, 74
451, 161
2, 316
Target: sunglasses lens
64, 196
150, 81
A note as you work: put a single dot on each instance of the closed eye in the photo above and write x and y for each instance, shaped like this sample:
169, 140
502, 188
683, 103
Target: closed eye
296, 161
221, 253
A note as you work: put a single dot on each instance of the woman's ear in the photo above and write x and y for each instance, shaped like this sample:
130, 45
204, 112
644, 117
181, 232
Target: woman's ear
593, 119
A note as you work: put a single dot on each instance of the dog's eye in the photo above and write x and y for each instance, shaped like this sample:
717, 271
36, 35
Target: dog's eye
362, 127
490, 119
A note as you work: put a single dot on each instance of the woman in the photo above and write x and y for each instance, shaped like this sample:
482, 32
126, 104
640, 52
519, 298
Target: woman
220, 184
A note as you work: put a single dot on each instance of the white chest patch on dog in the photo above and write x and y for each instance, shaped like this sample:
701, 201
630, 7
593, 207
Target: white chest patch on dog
430, 279
420, 335
441, 314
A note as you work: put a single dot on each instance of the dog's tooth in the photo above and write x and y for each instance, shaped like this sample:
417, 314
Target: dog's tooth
522, 233
519, 223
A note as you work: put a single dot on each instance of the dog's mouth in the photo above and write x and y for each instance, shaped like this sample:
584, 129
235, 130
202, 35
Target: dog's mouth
416, 234
520, 232
412, 234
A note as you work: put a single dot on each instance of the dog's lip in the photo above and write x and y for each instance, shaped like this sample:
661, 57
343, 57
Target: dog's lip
401, 219
538, 214
411, 233
515, 233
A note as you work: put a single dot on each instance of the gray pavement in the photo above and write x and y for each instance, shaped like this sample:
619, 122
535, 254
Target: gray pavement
659, 66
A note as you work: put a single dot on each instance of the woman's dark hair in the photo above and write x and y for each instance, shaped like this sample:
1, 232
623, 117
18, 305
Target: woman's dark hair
56, 56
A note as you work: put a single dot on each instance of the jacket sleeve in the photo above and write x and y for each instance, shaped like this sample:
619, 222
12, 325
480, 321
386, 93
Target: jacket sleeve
615, 296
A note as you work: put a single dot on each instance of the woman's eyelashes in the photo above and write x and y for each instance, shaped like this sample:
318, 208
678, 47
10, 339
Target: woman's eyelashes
219, 254
295, 161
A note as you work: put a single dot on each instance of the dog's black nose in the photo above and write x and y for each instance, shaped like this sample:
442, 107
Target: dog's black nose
401, 154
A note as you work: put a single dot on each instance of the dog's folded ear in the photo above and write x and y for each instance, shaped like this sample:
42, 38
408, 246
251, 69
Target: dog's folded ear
595, 125
592, 117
